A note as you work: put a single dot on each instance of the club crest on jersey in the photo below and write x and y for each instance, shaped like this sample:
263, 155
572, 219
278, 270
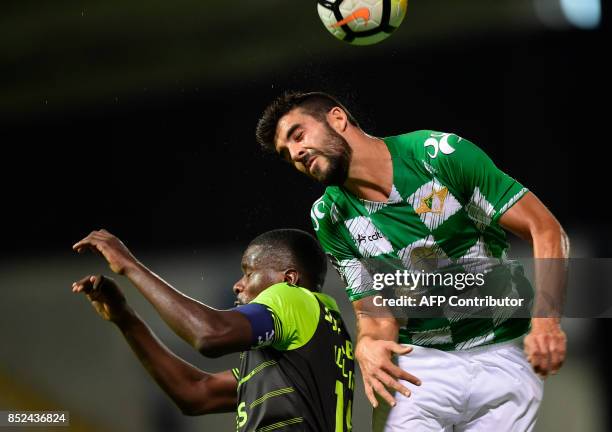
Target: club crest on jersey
433, 203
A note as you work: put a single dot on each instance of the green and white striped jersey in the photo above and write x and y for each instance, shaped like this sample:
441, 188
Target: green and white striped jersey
445, 203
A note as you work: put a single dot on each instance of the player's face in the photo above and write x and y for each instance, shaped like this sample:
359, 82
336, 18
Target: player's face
257, 275
313, 147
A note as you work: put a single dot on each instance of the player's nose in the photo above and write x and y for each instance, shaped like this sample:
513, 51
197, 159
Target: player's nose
238, 286
297, 152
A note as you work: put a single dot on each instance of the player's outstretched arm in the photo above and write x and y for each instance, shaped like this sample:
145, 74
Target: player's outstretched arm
545, 345
210, 331
376, 344
194, 391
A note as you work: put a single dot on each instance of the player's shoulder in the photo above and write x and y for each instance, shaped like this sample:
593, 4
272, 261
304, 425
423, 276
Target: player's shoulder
295, 309
331, 195
419, 144
409, 141
285, 295
432, 149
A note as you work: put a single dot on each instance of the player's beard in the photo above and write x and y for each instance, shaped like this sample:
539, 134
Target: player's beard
338, 154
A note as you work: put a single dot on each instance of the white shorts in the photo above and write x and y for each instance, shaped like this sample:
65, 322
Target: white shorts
492, 388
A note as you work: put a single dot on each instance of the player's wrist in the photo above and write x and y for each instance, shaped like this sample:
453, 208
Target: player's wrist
125, 318
545, 323
132, 267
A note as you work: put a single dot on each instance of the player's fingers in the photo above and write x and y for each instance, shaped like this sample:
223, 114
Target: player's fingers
392, 383
84, 240
531, 349
370, 393
400, 373
557, 355
92, 240
84, 243
85, 284
528, 347
383, 392
398, 348
541, 357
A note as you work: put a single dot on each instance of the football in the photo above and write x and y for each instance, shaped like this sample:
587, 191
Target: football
361, 22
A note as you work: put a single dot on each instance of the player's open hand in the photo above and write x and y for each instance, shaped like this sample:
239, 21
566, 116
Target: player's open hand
379, 372
117, 255
104, 295
545, 346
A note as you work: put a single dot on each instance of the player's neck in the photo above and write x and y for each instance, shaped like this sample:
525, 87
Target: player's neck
370, 175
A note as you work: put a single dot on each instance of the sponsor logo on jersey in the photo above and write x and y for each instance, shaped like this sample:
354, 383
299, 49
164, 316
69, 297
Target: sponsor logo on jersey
373, 237
439, 142
368, 239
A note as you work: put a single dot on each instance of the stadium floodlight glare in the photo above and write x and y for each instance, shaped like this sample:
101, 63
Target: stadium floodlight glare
583, 14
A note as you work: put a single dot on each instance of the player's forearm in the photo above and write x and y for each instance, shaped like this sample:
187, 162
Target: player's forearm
551, 250
176, 377
196, 323
550, 241
376, 328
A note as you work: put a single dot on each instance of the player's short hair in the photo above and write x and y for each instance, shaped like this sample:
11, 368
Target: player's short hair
316, 104
295, 248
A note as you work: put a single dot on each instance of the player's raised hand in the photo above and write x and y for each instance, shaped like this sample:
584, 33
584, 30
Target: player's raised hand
117, 255
104, 295
545, 346
379, 372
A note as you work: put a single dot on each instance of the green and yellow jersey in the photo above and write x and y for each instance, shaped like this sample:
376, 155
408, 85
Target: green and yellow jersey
301, 377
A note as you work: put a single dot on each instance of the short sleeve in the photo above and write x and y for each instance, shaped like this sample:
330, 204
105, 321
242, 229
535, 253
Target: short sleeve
337, 246
487, 191
262, 324
295, 312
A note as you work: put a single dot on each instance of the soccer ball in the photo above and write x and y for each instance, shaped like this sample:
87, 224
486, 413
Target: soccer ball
361, 22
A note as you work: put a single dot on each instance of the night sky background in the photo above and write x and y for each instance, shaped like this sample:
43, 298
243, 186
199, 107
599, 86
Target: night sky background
139, 117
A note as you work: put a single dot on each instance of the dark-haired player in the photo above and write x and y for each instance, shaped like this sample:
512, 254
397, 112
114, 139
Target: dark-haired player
296, 370
425, 194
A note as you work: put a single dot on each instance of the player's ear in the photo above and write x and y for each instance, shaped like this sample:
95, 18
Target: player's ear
337, 119
292, 276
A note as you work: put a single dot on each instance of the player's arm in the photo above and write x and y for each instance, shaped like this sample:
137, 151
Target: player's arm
194, 391
376, 334
376, 344
545, 345
212, 332
502, 199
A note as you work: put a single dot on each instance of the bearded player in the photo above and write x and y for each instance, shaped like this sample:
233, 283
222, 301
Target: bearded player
391, 199
296, 371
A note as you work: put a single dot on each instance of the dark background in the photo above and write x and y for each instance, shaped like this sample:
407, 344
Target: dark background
139, 118
170, 159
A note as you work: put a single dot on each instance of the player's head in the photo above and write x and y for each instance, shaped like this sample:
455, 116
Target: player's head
283, 255
306, 130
